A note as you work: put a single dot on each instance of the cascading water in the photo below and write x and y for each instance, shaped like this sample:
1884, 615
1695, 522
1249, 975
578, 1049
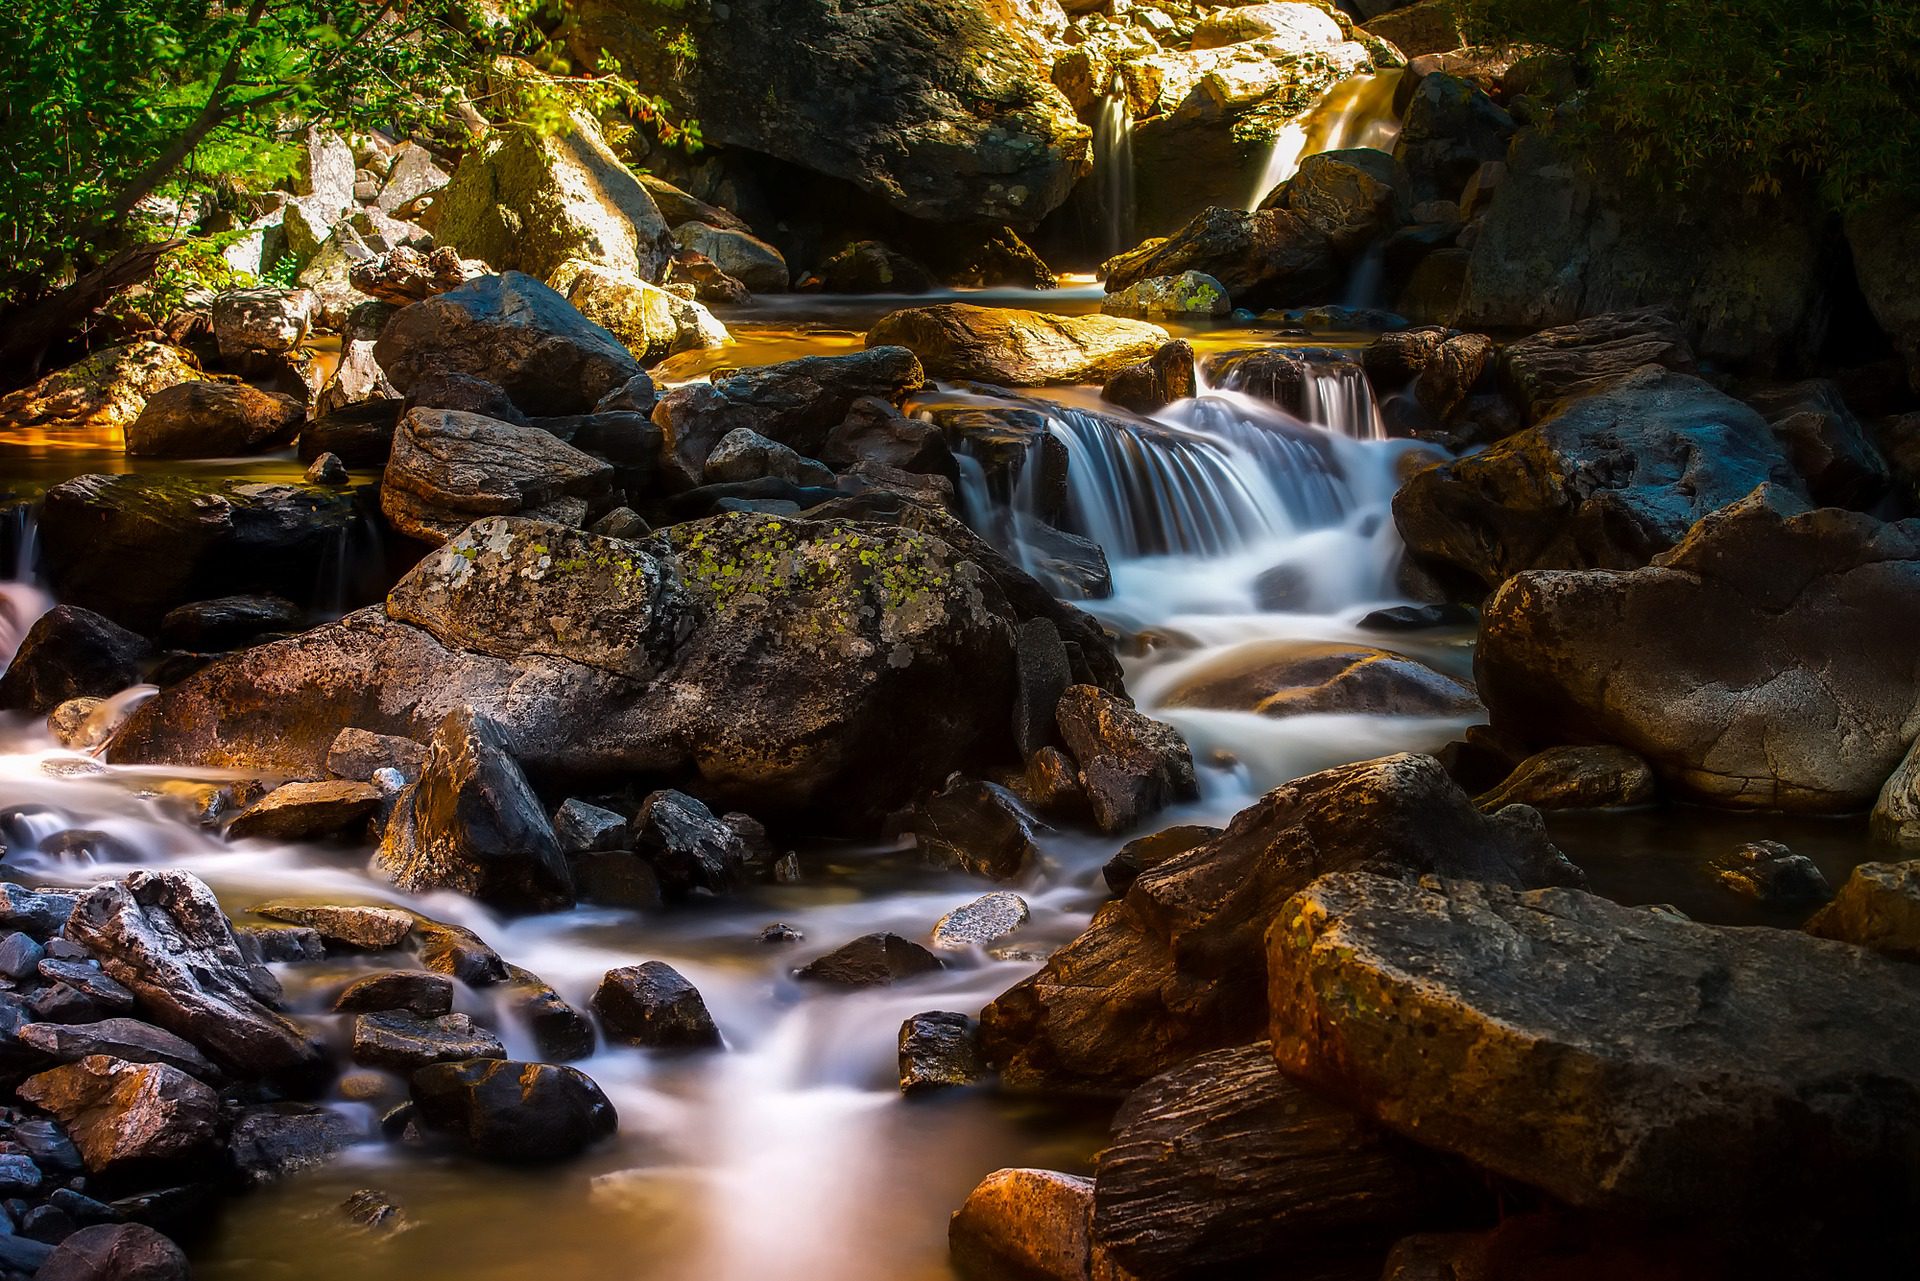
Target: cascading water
22, 602
1357, 112
1113, 169
1338, 394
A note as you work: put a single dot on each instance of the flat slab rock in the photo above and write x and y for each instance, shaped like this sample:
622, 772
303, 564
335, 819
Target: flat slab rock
1615, 1057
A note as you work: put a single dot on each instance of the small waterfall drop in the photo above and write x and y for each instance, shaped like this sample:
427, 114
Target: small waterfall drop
1113, 169
1357, 112
22, 601
1339, 395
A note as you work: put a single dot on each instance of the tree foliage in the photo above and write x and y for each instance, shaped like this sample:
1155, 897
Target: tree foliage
1761, 92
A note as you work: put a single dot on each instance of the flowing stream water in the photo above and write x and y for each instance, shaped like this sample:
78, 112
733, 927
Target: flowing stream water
1357, 112
791, 1154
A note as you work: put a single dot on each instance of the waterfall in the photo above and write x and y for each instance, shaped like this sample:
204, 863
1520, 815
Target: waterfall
22, 602
1357, 112
1339, 395
1113, 169
1326, 388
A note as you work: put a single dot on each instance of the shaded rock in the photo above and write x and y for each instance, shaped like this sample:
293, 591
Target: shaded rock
582, 828
1878, 907
401, 1042
269, 944
1148, 852
1044, 675
125, 1116
560, 1032
686, 845
304, 811
358, 754
1569, 362
976, 827
1173, 969
987, 919
472, 823
869, 961
871, 267
424, 995
1575, 778
1876, 233
876, 432
20, 956
513, 330
1413, 618
127, 1040
1156, 382
1291, 678
468, 393
740, 254
449, 468
1770, 872
1222, 1165
1825, 442
213, 420
744, 454
162, 934
103, 392
1191, 293
1732, 665
1602, 1052
68, 653
228, 621
937, 1051
1609, 482
372, 929
1017, 348
1130, 764
652, 1005
274, 1140
514, 1112
617, 878
457, 952
115, 1252
359, 435
1450, 129
1023, 1225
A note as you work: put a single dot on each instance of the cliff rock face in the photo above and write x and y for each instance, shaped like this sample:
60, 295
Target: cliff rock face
939, 107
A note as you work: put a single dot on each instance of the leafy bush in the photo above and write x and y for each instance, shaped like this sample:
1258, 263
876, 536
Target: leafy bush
1759, 92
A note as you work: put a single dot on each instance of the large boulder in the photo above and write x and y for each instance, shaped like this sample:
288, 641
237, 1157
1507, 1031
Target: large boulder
1734, 664
528, 199
939, 107
740, 254
1017, 348
1618, 1058
71, 653
129, 1118
104, 392
1608, 482
213, 420
1547, 369
511, 330
449, 467
653, 323
1174, 968
1024, 1225
513, 1112
115, 1252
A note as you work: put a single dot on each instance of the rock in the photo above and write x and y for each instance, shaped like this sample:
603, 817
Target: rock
1222, 1165
70, 653
1548, 369
1269, 257
740, 254
40, 914
133, 546
512, 330
20, 956
374, 1211
1172, 970
1191, 293
1149, 852
1450, 129
1875, 231
1346, 197
1770, 872
1825, 442
304, 811
357, 754
1414, 618
1575, 778
273, 1140
269, 944
528, 200
127, 1040
797, 403
1878, 907
104, 392
424, 995
1155, 383
1024, 1225
115, 1252
686, 845
582, 828
653, 323
401, 1042
560, 1032
87, 979
652, 1005
370, 929
403, 275
1601, 1053
1130, 764
473, 824
514, 1112
1609, 482
940, 114
937, 1052
128, 1117
360, 434
213, 420
874, 431
228, 621
987, 919
450, 468
871, 267
744, 454
869, 961
1292, 678
1017, 348
163, 936
260, 320
457, 952
1731, 664
976, 827
413, 175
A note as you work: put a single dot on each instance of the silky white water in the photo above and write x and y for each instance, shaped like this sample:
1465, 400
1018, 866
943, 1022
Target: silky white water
1357, 112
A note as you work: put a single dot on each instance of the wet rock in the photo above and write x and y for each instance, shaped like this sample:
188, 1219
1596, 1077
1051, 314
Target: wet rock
1825, 442
1878, 907
937, 1051
162, 934
371, 929
652, 1005
1614, 1057
514, 1112
509, 329
18, 1174
456, 952
1413, 618
1222, 1165
305, 811
780, 933
1017, 348
104, 392
449, 468
582, 828
401, 1042
744, 454
358, 754
213, 420
71, 653
1024, 1225
987, 919
1570, 362
115, 1252
1290, 678
1156, 382
560, 1032
128, 1117
1191, 293
1130, 764
128, 1040
1575, 778
1732, 665
1173, 969
1149, 852
871, 960
425, 995
1770, 872
617, 878
687, 847
976, 827
1044, 674
1609, 482
86, 977
374, 1210
228, 621
274, 1140
269, 944
473, 823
